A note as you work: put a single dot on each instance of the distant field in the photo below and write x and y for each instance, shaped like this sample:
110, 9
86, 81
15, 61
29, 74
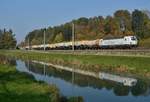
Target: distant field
129, 64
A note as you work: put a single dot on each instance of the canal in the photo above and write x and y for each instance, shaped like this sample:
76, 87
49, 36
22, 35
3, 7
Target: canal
92, 87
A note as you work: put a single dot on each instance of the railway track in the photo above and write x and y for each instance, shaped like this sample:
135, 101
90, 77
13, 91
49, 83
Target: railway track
102, 50
139, 49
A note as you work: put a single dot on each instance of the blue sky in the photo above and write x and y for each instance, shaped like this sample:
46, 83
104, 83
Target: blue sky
22, 16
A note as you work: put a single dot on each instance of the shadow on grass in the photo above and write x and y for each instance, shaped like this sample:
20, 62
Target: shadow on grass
26, 97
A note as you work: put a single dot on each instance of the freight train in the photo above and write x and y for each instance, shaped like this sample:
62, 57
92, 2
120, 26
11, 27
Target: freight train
123, 42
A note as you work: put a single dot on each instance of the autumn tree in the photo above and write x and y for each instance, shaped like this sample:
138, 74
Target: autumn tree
59, 38
111, 26
123, 19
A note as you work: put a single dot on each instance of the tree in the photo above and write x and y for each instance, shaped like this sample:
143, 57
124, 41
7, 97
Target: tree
96, 26
67, 31
123, 19
146, 25
147, 30
1, 39
110, 26
59, 38
82, 21
101, 24
7, 40
107, 25
138, 23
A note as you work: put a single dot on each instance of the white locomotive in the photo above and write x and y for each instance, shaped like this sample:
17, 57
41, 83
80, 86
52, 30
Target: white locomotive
124, 42
127, 41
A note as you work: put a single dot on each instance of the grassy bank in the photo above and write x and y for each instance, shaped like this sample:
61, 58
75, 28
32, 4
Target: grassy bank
129, 64
19, 87
145, 43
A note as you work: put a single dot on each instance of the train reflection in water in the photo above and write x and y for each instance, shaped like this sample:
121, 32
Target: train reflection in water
126, 81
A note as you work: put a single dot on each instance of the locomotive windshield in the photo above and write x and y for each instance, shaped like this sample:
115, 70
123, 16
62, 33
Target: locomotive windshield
133, 38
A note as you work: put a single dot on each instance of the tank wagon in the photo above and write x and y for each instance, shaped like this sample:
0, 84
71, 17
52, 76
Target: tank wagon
124, 42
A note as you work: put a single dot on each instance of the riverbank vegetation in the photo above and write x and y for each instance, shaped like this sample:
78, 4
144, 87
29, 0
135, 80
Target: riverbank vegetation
145, 43
96, 63
19, 87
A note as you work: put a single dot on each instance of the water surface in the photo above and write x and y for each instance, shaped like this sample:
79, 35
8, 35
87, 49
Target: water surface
90, 88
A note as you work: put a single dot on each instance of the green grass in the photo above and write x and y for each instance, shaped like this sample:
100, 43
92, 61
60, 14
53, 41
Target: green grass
20, 87
130, 64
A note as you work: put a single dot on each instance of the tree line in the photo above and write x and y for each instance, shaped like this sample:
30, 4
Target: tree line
120, 24
7, 39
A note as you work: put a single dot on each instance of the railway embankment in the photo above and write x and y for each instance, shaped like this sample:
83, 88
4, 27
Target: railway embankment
107, 52
94, 63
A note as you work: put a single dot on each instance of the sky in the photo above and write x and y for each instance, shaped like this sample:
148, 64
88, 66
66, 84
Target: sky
23, 16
